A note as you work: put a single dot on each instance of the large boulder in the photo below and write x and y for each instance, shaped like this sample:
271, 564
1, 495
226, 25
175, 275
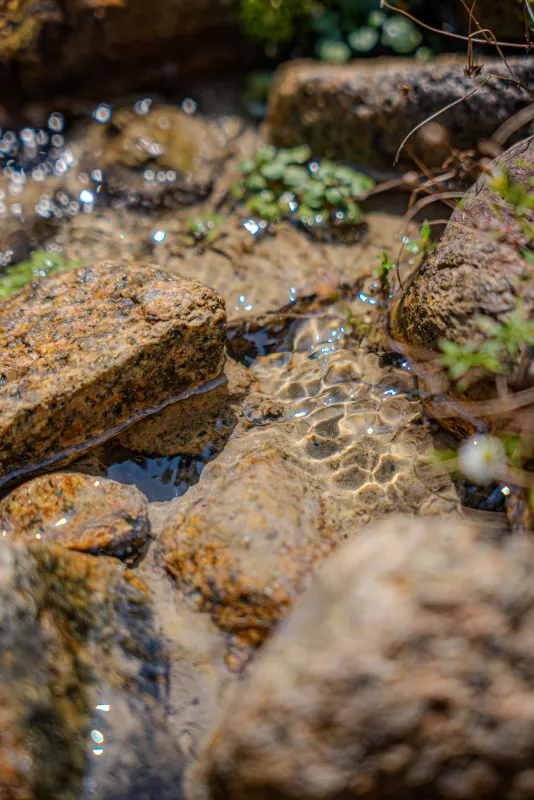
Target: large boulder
362, 111
405, 671
87, 351
479, 265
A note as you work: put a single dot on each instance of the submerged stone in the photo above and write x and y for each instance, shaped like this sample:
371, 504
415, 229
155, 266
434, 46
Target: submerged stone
77, 511
163, 157
198, 425
247, 537
405, 671
85, 352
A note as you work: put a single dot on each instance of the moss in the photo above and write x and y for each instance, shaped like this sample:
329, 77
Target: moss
38, 266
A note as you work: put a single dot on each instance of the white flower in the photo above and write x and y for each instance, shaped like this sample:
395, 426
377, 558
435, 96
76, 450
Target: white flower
482, 459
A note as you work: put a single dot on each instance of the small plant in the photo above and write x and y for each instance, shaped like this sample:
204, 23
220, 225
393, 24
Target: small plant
272, 20
38, 266
255, 96
282, 183
383, 271
205, 227
497, 354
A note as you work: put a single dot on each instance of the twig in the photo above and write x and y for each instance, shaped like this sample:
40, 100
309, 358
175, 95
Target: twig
445, 108
513, 123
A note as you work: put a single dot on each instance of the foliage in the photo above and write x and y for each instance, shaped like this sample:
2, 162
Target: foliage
336, 30
496, 354
383, 271
286, 183
272, 20
205, 227
38, 266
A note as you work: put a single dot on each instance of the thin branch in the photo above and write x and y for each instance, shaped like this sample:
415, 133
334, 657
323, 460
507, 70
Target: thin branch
513, 124
445, 108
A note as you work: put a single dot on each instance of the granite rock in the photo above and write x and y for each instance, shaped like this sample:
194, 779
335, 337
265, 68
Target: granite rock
87, 351
477, 268
405, 671
78, 512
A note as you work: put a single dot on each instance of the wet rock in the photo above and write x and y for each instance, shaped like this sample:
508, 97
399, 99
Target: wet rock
81, 671
162, 157
79, 512
86, 351
201, 423
125, 40
405, 671
247, 536
477, 268
362, 111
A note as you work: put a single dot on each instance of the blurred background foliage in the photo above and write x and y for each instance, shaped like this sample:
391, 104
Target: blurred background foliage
337, 30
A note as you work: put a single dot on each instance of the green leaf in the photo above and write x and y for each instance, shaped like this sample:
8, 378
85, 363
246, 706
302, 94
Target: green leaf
256, 183
333, 52
266, 154
273, 171
363, 39
247, 166
296, 177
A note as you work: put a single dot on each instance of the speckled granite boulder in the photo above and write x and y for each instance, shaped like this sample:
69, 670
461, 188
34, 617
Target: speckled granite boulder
86, 351
362, 111
81, 668
77, 511
404, 672
477, 267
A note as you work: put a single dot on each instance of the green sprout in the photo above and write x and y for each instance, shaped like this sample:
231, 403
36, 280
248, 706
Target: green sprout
286, 183
383, 271
40, 264
205, 227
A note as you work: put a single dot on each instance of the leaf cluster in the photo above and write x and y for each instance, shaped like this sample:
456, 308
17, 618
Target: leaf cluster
281, 183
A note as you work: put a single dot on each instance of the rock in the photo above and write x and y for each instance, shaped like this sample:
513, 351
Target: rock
201, 423
477, 267
126, 40
79, 512
361, 111
404, 671
162, 157
248, 535
81, 669
87, 351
